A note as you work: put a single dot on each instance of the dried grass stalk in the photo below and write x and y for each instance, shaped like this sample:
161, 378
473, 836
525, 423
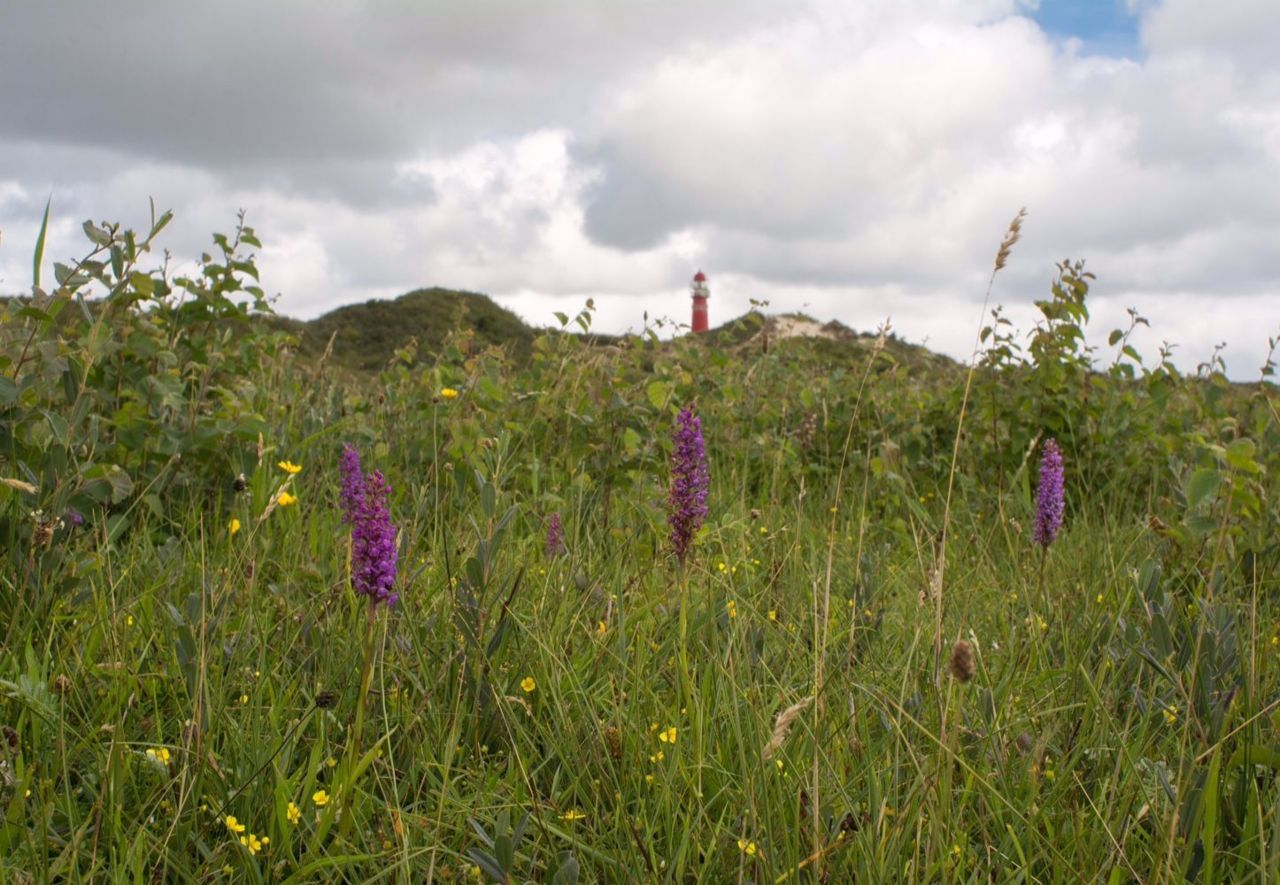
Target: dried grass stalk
1011, 236
782, 727
18, 485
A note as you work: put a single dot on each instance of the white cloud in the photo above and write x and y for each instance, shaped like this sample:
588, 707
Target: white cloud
861, 159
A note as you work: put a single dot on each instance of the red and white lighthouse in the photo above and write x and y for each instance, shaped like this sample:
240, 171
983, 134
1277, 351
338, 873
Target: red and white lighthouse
701, 292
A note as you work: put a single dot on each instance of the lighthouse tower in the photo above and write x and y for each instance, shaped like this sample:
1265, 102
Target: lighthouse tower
701, 292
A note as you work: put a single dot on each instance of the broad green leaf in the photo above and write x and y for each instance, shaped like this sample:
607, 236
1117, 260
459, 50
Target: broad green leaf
1200, 484
99, 236
658, 392
142, 283
1240, 455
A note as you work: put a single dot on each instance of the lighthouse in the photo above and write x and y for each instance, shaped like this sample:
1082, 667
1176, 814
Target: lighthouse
701, 292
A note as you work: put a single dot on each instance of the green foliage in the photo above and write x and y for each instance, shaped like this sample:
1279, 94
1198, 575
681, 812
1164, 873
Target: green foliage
364, 335
187, 662
112, 405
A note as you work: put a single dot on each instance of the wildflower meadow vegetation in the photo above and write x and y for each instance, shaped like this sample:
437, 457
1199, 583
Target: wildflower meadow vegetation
717, 608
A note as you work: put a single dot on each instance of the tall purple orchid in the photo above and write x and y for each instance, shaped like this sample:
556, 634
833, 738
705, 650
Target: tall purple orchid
1049, 495
373, 560
690, 482
555, 536
373, 537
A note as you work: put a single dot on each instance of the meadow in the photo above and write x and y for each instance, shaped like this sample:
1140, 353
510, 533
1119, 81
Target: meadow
864, 663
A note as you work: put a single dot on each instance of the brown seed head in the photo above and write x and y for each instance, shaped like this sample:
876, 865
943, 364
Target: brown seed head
962, 664
613, 740
1011, 236
42, 533
782, 727
326, 699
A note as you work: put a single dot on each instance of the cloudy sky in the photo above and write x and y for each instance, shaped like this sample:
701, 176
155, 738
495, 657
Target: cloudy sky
854, 159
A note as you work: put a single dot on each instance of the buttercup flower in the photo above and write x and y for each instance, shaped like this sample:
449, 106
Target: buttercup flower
449, 393
233, 526
289, 467
293, 813
320, 798
668, 735
284, 499
527, 684
233, 825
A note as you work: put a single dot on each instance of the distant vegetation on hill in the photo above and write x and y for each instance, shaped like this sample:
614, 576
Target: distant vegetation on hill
366, 336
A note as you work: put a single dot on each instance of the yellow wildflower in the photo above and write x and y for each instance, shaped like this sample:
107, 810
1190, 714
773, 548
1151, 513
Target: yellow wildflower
289, 467
773, 614
449, 393
668, 735
320, 798
748, 848
160, 754
527, 684
253, 843
234, 825
284, 499
731, 608
233, 526
293, 813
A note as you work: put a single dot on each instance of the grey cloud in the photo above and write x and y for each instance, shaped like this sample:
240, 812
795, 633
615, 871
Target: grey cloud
242, 82
857, 156
1243, 31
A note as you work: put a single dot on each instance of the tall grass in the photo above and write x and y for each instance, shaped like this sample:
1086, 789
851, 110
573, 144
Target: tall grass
525, 715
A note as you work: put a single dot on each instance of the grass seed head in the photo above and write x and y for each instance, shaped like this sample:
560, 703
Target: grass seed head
1011, 236
962, 663
782, 727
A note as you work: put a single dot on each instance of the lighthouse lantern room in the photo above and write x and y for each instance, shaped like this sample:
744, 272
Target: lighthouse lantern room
701, 292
